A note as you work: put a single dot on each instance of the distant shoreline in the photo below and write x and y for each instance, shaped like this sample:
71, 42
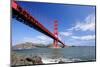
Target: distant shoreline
49, 47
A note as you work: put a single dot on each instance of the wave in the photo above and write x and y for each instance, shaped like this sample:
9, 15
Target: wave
60, 60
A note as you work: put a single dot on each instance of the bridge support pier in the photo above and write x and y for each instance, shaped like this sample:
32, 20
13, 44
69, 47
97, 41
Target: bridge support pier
55, 43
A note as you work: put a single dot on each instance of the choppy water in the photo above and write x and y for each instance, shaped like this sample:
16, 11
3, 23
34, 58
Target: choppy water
70, 54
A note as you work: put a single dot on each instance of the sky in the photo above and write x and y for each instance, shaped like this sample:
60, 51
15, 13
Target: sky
76, 24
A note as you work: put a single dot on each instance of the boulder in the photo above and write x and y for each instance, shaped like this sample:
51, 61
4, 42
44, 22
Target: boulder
34, 60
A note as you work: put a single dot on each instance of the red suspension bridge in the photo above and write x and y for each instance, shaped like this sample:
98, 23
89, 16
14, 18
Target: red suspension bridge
23, 16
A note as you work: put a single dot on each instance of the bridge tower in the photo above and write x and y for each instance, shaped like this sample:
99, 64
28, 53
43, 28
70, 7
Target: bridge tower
55, 43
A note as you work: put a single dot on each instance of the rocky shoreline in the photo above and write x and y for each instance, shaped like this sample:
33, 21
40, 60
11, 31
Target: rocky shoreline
23, 60
27, 60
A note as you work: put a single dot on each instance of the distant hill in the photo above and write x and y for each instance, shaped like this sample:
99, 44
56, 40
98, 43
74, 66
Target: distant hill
30, 45
27, 45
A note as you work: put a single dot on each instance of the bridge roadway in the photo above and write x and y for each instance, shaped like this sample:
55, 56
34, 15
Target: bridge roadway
23, 16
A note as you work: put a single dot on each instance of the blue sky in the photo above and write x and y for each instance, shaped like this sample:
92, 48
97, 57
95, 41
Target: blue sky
76, 24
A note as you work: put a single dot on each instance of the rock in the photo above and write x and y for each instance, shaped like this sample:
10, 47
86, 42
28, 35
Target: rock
61, 61
34, 60
28, 59
23, 60
37, 60
17, 60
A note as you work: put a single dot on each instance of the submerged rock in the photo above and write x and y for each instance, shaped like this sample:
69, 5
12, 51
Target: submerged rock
61, 61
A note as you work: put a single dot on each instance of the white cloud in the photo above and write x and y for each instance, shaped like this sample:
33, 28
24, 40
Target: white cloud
38, 39
87, 37
66, 33
88, 24
42, 37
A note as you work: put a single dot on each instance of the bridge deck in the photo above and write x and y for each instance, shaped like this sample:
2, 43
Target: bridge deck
23, 16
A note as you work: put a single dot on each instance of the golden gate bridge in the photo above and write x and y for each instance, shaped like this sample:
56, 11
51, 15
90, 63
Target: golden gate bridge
23, 16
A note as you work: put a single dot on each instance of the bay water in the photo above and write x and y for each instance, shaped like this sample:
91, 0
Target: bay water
69, 54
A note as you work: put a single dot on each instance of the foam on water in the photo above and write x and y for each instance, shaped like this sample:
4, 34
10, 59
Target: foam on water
46, 61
